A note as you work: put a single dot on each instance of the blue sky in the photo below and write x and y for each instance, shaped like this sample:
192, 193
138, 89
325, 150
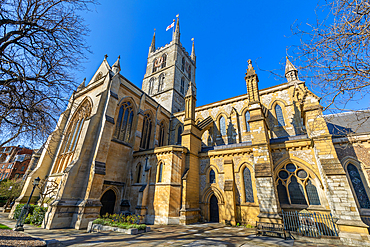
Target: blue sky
226, 35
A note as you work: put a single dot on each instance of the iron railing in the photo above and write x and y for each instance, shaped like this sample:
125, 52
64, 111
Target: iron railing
310, 224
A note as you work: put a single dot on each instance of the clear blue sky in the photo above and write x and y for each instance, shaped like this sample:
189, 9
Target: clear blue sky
226, 33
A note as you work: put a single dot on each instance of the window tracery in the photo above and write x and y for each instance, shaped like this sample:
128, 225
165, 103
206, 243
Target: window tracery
183, 64
294, 186
182, 86
164, 59
146, 132
72, 135
358, 186
279, 115
124, 122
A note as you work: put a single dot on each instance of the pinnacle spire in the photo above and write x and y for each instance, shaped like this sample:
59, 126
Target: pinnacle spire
176, 34
116, 68
192, 56
250, 70
152, 46
82, 85
291, 73
191, 90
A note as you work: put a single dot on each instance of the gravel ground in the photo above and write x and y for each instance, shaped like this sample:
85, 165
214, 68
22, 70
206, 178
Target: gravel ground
12, 238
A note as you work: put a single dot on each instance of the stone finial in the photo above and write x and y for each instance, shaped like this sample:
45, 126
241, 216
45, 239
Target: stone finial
191, 90
250, 70
105, 56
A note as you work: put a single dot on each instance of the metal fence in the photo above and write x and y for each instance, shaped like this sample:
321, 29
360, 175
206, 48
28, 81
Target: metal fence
310, 224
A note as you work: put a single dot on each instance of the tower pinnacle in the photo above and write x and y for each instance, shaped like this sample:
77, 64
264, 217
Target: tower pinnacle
291, 73
192, 56
176, 34
116, 68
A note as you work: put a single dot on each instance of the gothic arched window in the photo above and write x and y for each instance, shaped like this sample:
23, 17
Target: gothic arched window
279, 115
160, 172
138, 175
212, 176
146, 132
161, 134
248, 185
164, 59
179, 132
247, 117
154, 66
222, 126
183, 64
72, 136
151, 86
124, 122
189, 72
358, 186
295, 186
160, 83
182, 86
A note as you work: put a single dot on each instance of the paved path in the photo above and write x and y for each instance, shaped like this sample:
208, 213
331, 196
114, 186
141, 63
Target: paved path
211, 234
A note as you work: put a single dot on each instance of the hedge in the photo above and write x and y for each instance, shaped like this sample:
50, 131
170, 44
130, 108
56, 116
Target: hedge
35, 215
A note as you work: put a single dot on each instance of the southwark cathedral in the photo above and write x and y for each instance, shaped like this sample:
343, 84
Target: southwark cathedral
153, 152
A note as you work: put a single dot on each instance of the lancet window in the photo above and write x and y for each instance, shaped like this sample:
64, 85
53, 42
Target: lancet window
212, 176
71, 137
222, 126
160, 172
279, 115
295, 186
154, 65
248, 189
161, 134
178, 135
138, 175
146, 132
124, 122
189, 72
151, 86
182, 86
358, 186
247, 117
164, 60
160, 83
183, 64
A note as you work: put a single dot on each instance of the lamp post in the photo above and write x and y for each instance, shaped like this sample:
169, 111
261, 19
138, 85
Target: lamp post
24, 212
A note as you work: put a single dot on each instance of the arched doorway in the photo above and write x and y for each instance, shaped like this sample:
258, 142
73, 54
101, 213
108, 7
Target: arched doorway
213, 209
108, 200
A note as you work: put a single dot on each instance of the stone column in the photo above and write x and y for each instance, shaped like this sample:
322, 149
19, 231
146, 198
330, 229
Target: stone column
229, 190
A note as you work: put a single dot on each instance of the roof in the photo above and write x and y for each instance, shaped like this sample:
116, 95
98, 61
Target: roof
348, 122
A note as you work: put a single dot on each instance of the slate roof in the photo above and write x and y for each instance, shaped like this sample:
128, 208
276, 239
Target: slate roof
348, 122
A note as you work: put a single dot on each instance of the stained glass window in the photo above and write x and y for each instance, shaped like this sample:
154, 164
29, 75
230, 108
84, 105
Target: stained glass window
358, 186
212, 176
247, 117
296, 192
312, 195
283, 196
279, 115
248, 185
124, 122
222, 126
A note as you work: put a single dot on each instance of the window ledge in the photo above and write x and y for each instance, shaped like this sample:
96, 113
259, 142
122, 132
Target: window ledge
121, 142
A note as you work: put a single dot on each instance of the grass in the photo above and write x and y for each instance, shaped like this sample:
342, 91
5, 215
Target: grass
4, 227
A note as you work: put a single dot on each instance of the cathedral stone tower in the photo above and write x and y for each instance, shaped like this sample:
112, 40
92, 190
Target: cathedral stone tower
168, 73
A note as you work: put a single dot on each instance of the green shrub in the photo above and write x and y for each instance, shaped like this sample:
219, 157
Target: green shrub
120, 220
38, 215
35, 215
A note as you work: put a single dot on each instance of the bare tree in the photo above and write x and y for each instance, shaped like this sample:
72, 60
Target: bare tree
334, 53
41, 43
48, 190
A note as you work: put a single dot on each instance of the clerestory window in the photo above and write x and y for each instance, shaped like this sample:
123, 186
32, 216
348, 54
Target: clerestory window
124, 122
